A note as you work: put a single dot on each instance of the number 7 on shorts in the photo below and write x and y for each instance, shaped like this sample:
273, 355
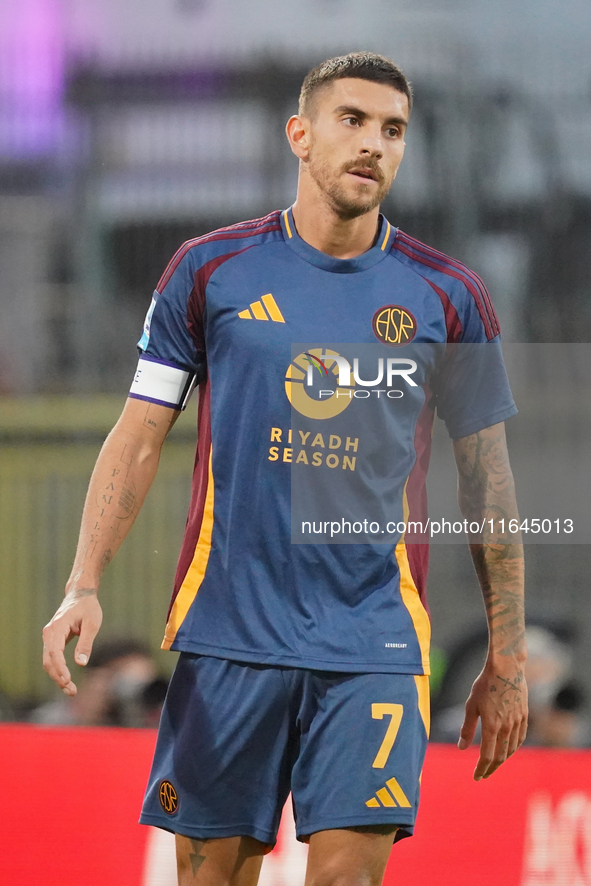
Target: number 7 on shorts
378, 712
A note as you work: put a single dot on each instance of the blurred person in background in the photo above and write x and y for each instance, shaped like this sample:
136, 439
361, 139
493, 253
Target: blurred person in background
557, 715
563, 722
121, 687
284, 679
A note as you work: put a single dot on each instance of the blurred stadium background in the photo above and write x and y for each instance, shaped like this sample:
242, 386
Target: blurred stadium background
127, 127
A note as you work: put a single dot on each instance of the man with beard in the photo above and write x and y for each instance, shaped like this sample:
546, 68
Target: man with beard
303, 668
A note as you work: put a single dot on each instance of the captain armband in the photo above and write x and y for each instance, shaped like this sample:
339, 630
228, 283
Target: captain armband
163, 383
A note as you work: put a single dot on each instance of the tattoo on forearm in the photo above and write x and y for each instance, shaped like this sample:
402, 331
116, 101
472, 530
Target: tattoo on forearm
195, 857
501, 581
486, 490
484, 473
115, 503
127, 500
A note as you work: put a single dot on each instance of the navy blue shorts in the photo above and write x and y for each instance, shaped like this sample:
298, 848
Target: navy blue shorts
235, 738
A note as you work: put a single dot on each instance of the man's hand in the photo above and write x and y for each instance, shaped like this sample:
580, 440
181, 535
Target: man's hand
80, 615
499, 698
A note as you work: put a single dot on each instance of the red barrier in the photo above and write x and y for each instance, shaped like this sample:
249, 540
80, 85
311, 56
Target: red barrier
70, 802
528, 825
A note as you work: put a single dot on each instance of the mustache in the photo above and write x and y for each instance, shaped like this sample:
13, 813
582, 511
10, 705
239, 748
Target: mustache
366, 164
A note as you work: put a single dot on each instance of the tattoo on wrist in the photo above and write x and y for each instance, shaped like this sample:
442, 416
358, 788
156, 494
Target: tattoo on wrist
500, 575
82, 592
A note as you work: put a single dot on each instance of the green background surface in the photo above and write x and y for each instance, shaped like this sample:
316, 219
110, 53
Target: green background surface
47, 451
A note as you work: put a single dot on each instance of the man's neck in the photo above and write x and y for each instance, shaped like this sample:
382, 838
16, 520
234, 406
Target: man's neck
322, 228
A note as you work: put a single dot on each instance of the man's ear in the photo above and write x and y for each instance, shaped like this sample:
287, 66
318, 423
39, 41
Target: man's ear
298, 136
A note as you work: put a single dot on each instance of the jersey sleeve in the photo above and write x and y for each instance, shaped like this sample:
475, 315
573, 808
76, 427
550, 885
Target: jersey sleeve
472, 387
172, 350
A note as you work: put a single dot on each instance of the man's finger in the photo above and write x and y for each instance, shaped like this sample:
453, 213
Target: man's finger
488, 744
53, 653
468, 729
55, 665
501, 750
514, 739
54, 662
84, 644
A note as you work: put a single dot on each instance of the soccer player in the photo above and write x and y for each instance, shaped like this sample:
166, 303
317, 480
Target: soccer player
304, 667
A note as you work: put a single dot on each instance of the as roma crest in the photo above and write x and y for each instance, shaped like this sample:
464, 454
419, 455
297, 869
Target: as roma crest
169, 799
394, 325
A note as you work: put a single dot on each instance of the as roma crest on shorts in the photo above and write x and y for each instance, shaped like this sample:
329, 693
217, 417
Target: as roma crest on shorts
394, 325
169, 799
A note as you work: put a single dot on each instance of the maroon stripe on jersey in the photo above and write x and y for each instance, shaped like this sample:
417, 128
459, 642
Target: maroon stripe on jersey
239, 235
196, 303
453, 323
245, 229
198, 492
482, 310
446, 259
456, 264
250, 223
416, 496
173, 264
195, 322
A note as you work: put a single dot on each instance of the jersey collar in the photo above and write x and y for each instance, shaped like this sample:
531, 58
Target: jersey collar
382, 247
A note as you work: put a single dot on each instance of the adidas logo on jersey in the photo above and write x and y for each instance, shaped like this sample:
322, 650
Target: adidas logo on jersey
393, 797
259, 313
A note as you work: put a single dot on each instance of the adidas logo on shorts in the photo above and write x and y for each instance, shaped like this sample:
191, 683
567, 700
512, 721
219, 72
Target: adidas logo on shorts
393, 797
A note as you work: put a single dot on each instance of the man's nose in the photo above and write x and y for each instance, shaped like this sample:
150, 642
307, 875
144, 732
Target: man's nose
372, 145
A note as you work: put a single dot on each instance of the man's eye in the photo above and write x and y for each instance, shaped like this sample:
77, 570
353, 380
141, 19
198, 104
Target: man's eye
352, 121
393, 132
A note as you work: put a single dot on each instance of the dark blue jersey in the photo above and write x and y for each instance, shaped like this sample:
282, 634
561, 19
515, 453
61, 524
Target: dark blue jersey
227, 310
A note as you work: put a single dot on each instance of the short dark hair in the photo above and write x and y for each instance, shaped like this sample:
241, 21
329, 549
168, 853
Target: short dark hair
363, 65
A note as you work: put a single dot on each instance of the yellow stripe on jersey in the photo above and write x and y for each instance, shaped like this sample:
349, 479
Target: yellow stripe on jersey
412, 601
287, 227
410, 595
383, 246
196, 571
273, 308
423, 695
422, 684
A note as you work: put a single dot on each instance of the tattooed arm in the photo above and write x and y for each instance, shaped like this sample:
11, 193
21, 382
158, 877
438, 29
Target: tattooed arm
499, 695
120, 481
